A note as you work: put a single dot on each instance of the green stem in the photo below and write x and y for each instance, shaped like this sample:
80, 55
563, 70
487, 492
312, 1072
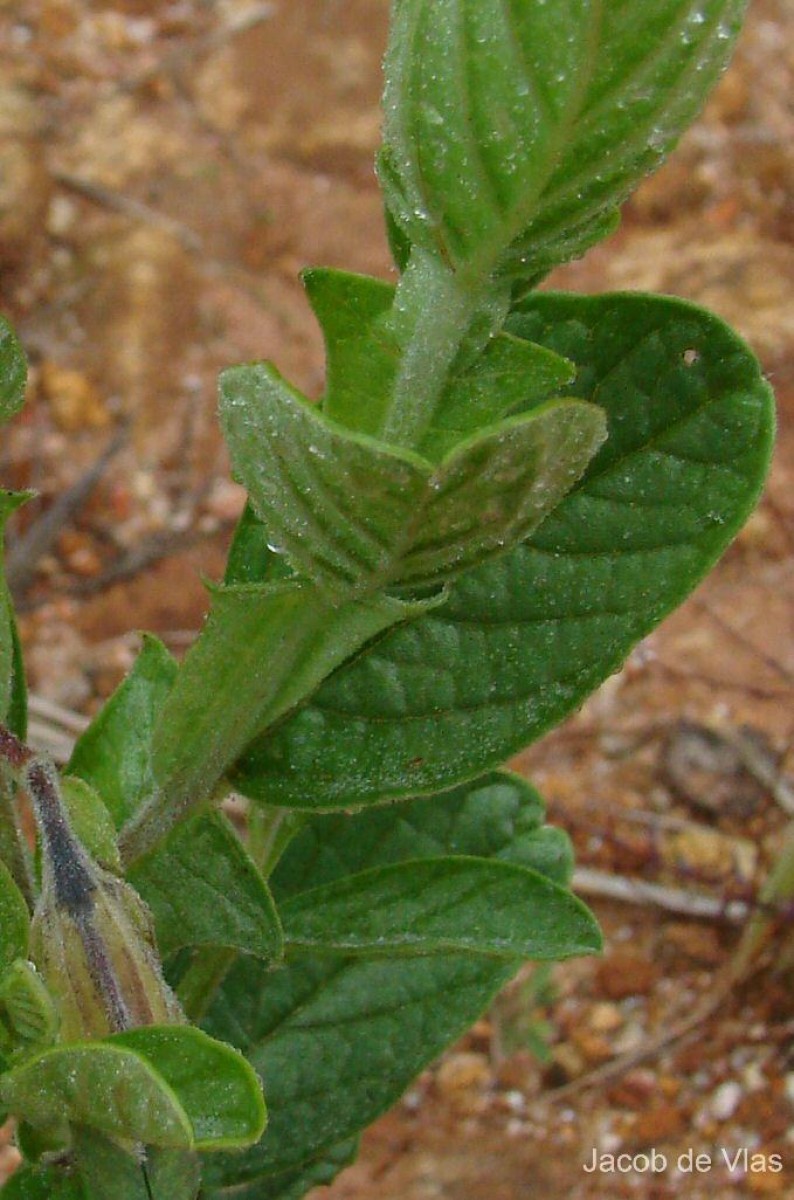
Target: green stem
433, 313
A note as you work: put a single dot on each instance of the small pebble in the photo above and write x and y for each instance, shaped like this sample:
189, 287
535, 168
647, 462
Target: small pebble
724, 1101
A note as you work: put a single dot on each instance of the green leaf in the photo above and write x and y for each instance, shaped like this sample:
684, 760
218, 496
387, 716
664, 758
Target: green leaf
14, 920
27, 1005
11, 680
292, 1184
109, 1172
215, 1085
356, 516
336, 1041
522, 641
13, 372
109, 1088
460, 905
91, 821
362, 349
265, 648
114, 754
17, 714
203, 889
497, 816
513, 128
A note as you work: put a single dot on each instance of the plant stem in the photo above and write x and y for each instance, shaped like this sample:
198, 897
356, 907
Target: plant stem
433, 312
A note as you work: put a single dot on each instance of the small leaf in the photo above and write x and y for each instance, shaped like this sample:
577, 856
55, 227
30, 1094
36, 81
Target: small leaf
91, 821
203, 889
522, 641
356, 516
13, 373
27, 1005
12, 684
460, 905
114, 754
109, 1088
14, 920
16, 717
215, 1085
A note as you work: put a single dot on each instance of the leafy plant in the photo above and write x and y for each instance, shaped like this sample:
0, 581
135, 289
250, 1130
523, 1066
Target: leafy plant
501, 492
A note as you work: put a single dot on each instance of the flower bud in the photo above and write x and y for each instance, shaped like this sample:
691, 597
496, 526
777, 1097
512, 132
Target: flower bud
100, 963
91, 936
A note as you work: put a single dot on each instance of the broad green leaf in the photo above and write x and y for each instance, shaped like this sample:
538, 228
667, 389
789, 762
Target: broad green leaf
265, 648
14, 920
513, 128
356, 516
336, 1041
497, 816
109, 1088
523, 640
362, 351
91, 821
437, 905
216, 1087
204, 890
114, 754
27, 1006
292, 1184
13, 373
109, 1172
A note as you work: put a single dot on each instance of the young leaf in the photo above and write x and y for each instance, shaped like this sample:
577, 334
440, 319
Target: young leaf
91, 821
216, 1087
14, 920
523, 640
27, 1005
204, 890
114, 754
356, 516
513, 129
497, 816
108, 1088
11, 679
434, 905
336, 1042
